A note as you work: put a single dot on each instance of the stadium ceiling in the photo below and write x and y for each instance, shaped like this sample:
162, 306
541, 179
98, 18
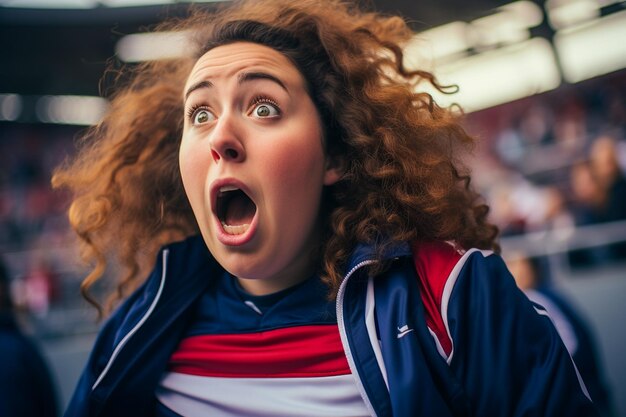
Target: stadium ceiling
63, 50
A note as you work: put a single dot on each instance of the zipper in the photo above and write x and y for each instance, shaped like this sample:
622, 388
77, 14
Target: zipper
344, 337
134, 330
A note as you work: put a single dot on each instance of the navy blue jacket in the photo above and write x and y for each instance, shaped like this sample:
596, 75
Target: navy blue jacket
582, 344
490, 352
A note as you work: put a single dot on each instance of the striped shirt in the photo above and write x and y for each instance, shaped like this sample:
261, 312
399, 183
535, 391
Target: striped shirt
274, 355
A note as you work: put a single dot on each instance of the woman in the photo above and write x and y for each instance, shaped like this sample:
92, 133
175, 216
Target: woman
319, 190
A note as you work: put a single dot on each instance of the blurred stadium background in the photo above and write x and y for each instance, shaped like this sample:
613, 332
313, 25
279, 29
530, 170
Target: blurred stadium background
543, 84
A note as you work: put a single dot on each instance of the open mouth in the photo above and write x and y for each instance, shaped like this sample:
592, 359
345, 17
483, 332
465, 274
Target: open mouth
235, 210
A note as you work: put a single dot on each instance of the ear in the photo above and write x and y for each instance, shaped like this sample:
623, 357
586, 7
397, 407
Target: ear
335, 168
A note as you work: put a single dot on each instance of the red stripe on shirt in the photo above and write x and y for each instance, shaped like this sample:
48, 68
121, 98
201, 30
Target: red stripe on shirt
302, 351
434, 262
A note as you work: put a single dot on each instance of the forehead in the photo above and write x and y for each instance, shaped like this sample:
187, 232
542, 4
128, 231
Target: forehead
228, 60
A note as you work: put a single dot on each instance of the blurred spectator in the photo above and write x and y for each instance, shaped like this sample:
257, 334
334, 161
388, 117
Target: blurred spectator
535, 125
570, 129
531, 277
606, 167
586, 207
587, 194
519, 207
40, 289
532, 130
504, 211
26, 388
605, 164
552, 214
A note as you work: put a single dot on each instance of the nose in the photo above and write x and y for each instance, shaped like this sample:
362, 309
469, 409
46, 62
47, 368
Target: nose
225, 142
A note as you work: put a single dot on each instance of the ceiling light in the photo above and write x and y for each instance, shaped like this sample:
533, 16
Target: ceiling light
592, 49
565, 13
73, 110
499, 76
10, 107
152, 46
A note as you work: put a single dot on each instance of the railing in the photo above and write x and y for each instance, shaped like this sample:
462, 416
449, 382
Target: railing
555, 244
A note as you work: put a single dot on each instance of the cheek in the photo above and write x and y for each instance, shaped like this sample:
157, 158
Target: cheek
297, 156
192, 169
297, 190
297, 167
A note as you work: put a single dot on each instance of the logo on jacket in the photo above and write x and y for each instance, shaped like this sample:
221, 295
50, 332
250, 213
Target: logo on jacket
403, 331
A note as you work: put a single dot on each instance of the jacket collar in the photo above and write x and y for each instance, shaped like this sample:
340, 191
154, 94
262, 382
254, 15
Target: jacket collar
375, 251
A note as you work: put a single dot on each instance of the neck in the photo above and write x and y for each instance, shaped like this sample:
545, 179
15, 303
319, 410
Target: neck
288, 278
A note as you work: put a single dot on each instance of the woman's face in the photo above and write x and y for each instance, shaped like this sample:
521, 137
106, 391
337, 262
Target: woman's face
253, 164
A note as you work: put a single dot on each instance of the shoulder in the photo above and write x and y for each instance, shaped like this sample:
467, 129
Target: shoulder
439, 265
434, 263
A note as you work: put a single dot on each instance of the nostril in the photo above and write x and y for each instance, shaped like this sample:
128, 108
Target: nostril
215, 155
231, 153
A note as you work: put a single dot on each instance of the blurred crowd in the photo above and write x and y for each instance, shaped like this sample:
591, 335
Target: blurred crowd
31, 213
556, 161
35, 238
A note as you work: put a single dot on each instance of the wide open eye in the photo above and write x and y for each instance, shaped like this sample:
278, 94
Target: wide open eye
264, 108
201, 115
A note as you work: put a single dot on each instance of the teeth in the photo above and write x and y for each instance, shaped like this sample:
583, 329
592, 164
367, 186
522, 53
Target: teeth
227, 188
235, 230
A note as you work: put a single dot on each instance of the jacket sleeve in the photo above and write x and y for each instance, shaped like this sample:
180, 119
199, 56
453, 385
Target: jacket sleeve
109, 336
505, 350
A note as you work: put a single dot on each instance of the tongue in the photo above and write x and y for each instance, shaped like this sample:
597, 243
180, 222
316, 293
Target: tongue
240, 210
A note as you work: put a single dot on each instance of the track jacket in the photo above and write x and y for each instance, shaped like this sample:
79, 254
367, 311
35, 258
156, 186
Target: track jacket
440, 333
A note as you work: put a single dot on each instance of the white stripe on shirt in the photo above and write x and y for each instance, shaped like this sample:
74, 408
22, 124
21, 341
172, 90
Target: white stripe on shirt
191, 395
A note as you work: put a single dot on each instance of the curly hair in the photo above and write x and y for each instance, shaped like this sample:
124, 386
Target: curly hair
404, 178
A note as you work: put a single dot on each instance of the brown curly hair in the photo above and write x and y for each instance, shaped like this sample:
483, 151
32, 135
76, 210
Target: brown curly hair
404, 180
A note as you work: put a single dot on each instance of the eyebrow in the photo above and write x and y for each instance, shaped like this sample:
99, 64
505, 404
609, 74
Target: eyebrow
251, 76
241, 79
198, 85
